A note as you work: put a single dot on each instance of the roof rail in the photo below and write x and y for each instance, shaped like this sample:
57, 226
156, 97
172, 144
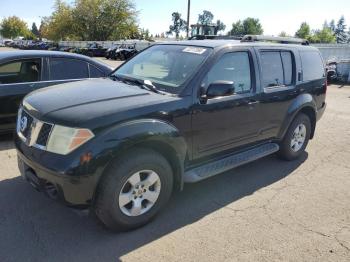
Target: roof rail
214, 37
278, 39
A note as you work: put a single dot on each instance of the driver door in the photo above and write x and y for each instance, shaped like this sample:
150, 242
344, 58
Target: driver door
226, 123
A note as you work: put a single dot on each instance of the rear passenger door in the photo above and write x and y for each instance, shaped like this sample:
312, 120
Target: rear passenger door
278, 87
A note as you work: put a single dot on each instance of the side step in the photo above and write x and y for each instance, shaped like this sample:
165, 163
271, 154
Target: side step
227, 163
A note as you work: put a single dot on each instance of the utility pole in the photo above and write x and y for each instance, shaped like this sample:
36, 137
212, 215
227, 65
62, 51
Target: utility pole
188, 17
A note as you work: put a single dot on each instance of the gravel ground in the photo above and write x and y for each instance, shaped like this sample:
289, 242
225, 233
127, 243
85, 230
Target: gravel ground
269, 210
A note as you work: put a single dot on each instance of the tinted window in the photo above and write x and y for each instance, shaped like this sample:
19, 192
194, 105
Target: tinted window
312, 65
233, 67
62, 68
287, 67
20, 71
277, 68
95, 72
272, 70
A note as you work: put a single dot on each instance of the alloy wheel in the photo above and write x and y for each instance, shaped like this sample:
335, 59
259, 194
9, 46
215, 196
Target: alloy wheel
139, 193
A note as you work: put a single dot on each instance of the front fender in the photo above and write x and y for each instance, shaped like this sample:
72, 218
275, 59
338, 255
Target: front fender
301, 103
151, 132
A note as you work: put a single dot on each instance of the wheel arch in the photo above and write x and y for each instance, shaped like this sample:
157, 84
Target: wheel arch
303, 104
157, 135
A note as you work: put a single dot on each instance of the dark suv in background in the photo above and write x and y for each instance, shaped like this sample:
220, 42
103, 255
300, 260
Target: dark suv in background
175, 113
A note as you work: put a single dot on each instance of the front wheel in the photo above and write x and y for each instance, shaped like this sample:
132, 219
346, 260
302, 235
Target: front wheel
296, 138
133, 190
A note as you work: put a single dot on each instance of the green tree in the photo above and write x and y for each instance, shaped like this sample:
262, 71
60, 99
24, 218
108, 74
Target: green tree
332, 25
249, 26
220, 26
59, 26
35, 30
237, 28
104, 19
205, 18
283, 34
304, 31
178, 25
325, 35
12, 27
340, 31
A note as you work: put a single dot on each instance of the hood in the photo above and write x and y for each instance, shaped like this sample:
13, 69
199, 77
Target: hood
77, 102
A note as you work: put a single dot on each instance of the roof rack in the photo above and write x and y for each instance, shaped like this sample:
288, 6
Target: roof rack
278, 39
214, 37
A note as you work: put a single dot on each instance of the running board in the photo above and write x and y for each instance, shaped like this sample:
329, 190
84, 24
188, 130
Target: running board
227, 163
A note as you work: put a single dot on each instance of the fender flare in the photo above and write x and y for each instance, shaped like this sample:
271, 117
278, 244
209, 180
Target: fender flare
303, 103
151, 133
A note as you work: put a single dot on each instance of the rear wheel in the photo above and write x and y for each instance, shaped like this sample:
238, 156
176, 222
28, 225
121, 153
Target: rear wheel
296, 138
133, 190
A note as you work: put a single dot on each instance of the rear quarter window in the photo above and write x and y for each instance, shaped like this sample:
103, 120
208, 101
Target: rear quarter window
95, 72
312, 64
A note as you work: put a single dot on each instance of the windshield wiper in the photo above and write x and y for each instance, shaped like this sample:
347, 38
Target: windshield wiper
144, 84
117, 78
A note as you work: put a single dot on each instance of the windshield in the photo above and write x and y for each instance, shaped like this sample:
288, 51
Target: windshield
167, 66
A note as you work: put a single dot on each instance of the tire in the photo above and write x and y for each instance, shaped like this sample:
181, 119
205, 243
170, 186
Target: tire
295, 141
116, 181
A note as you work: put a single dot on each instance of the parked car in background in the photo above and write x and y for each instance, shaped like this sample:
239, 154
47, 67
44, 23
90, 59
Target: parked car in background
111, 51
177, 112
94, 50
124, 52
22, 72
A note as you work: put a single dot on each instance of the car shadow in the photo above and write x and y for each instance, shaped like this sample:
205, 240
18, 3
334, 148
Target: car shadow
6, 142
35, 228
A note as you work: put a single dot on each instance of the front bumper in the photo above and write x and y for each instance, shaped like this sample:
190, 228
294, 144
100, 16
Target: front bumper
48, 173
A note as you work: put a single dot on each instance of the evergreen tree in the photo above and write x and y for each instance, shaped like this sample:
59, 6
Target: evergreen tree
35, 30
340, 31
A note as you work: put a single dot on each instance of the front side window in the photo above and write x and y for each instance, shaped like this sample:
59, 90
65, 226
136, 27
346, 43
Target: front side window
20, 71
277, 68
234, 67
65, 69
168, 67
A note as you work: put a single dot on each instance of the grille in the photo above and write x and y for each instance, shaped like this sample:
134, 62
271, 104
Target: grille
33, 131
26, 132
44, 134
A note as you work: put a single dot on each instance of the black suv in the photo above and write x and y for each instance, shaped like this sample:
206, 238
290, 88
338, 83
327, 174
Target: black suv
175, 113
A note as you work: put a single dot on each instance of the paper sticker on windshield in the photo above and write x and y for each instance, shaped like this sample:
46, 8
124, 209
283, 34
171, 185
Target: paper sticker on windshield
194, 50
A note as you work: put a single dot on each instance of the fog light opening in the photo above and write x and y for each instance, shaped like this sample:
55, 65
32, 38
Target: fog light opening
51, 190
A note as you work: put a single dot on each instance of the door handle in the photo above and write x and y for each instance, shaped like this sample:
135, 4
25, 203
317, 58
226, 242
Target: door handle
253, 102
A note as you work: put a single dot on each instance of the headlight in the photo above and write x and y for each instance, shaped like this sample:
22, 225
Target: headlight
64, 140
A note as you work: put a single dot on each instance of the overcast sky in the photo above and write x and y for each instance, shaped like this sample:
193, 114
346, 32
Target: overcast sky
275, 15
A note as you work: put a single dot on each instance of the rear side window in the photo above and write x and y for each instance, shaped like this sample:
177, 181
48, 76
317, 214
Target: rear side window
277, 68
312, 64
64, 69
20, 71
95, 72
233, 67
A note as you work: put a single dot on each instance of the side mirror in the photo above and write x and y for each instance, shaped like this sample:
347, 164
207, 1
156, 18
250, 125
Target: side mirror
220, 88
